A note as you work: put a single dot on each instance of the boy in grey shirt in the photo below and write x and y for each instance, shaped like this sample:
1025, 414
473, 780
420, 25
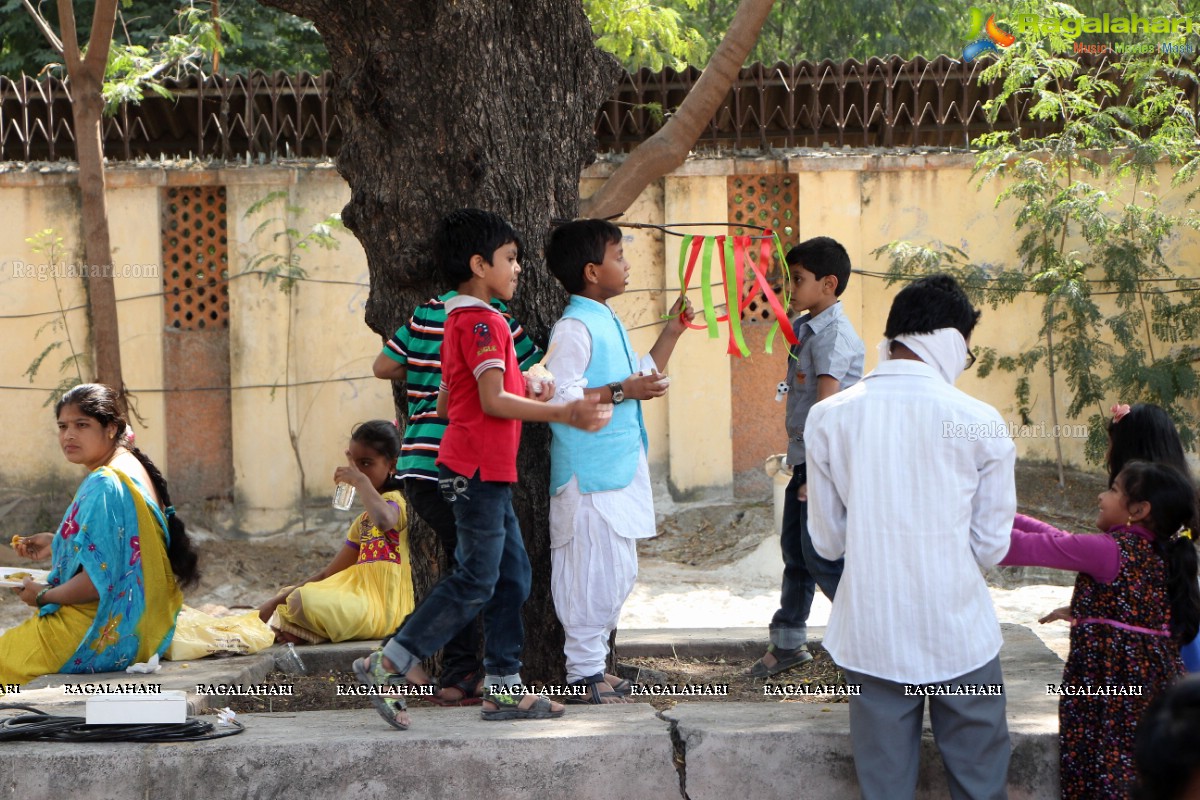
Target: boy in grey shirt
828, 358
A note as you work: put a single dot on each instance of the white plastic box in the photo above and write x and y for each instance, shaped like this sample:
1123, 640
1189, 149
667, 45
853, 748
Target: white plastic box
164, 708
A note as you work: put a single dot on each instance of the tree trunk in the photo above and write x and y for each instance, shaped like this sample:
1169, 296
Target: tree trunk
85, 76
474, 103
102, 298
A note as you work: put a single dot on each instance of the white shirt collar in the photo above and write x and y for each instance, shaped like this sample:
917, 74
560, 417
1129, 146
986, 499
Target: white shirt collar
904, 366
464, 301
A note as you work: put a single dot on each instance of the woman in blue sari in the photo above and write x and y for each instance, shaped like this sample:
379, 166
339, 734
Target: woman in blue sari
117, 559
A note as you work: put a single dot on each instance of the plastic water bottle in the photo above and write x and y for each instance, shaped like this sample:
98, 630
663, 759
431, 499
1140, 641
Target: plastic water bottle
343, 497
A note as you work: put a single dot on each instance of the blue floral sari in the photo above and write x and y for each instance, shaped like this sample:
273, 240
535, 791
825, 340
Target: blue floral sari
116, 534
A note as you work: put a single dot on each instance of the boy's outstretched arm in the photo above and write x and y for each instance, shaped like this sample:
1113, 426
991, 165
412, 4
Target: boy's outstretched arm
589, 414
681, 313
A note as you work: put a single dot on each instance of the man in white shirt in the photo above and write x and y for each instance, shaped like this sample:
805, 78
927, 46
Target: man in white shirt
911, 481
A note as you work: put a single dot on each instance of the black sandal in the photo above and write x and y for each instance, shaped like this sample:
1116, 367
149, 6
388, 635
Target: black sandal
508, 706
784, 660
594, 697
370, 672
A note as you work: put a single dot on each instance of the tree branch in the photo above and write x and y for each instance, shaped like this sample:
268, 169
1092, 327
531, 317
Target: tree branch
104, 21
308, 9
669, 147
44, 27
70, 39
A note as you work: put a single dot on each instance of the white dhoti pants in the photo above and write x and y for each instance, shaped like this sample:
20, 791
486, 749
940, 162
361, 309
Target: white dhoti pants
591, 575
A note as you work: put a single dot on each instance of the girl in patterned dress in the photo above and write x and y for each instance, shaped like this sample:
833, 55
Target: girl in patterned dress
366, 591
1135, 600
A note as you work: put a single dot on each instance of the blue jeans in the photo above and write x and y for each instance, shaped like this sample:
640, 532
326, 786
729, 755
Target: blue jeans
803, 569
460, 656
492, 575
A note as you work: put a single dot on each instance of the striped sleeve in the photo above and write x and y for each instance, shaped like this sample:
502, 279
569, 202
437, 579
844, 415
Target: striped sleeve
528, 353
484, 366
397, 346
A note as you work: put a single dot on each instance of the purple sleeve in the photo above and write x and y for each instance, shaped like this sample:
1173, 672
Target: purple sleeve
1031, 525
1095, 554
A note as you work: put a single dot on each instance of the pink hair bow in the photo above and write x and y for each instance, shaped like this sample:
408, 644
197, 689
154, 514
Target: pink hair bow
1119, 410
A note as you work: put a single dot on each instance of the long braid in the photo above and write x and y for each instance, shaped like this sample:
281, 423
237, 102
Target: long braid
1172, 499
184, 561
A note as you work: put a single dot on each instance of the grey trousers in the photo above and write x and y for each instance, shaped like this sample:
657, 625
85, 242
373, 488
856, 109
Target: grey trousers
970, 731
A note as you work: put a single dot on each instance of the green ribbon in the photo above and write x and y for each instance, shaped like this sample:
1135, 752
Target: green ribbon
710, 314
733, 289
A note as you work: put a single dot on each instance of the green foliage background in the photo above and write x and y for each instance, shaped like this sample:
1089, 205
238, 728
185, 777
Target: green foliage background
1119, 317
270, 39
669, 33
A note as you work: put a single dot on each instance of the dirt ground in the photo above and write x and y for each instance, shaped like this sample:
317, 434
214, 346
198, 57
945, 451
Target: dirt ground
714, 680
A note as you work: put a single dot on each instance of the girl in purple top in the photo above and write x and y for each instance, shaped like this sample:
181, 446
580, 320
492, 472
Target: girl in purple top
1135, 600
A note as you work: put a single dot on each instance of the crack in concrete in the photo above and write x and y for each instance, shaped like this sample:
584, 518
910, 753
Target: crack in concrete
679, 753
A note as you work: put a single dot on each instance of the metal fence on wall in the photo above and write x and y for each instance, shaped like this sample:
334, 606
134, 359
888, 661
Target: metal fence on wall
882, 103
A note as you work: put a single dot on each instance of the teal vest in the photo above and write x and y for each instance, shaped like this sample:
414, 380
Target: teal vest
607, 459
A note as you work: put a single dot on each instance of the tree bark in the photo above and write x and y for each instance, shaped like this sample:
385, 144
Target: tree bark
86, 79
669, 147
474, 103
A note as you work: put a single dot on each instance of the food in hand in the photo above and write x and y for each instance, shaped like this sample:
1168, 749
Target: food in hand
663, 379
16, 540
538, 376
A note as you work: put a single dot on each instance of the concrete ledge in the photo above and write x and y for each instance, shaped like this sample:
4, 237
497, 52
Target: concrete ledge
54, 695
695, 642
334, 657
790, 750
592, 754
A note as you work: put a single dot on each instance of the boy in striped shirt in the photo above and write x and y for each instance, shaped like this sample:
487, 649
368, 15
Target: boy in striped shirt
413, 355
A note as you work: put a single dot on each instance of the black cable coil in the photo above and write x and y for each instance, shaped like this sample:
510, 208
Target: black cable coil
37, 725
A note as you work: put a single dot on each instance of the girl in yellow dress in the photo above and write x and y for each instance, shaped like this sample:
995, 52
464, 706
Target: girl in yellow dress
366, 591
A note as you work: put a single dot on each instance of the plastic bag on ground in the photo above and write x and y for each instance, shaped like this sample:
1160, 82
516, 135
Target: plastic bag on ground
198, 635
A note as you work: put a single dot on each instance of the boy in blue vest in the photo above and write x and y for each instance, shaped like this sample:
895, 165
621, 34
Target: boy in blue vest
601, 502
483, 395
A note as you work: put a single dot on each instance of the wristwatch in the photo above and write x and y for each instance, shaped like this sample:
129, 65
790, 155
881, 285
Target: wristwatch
618, 394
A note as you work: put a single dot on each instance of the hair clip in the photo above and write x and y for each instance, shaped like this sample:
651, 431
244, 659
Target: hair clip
1119, 410
1184, 533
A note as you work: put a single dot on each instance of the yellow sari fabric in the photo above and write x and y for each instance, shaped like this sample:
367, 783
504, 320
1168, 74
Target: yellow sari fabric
114, 535
163, 597
40, 645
